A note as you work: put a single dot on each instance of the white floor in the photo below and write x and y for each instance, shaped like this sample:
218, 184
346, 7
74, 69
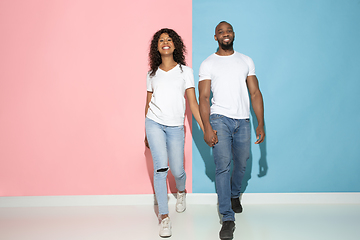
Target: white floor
200, 222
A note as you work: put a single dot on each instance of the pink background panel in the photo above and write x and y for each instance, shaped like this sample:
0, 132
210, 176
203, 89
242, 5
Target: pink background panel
72, 95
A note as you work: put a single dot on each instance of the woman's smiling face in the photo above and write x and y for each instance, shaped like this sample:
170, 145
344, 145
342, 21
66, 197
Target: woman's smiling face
165, 44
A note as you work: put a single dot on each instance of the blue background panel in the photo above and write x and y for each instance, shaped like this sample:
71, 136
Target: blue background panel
307, 57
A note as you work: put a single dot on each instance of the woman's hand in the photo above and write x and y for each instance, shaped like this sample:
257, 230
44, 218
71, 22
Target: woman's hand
146, 143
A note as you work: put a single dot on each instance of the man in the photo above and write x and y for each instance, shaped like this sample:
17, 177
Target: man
230, 76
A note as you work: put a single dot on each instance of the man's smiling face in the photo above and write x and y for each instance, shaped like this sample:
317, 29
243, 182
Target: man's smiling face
224, 35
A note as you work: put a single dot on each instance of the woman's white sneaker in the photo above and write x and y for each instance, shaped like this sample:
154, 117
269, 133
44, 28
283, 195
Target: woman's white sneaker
180, 202
165, 228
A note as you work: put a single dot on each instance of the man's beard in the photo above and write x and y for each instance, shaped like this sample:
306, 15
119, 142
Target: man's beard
227, 46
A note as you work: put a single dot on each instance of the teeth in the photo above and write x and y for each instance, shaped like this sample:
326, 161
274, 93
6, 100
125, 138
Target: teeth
166, 48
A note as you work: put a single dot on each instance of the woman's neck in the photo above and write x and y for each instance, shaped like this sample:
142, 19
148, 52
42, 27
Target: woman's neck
168, 63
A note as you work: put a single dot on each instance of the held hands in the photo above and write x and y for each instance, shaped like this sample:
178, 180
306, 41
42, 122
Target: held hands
211, 138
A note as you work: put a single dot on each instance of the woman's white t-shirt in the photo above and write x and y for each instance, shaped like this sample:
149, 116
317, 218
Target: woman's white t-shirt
167, 105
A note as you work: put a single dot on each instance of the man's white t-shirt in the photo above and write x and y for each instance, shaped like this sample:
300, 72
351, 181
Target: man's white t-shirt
167, 105
228, 83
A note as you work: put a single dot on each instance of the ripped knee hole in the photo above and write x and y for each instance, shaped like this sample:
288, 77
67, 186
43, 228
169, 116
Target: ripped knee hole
162, 169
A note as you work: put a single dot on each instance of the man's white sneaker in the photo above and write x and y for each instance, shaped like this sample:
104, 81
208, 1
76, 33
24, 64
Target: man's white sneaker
180, 202
165, 228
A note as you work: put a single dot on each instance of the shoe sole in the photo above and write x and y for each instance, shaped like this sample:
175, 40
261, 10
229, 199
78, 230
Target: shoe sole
180, 211
237, 211
229, 238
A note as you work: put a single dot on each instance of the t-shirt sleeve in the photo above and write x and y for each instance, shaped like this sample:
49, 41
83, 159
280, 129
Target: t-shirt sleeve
204, 72
189, 79
251, 67
148, 83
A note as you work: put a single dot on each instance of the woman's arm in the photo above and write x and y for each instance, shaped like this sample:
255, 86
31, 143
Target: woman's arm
194, 106
148, 99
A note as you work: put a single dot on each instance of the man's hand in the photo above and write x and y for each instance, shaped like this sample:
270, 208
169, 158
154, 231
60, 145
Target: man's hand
211, 138
260, 134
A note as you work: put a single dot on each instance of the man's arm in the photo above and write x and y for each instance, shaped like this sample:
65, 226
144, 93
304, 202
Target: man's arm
258, 106
210, 136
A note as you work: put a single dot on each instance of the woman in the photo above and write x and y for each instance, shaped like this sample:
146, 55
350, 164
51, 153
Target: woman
167, 82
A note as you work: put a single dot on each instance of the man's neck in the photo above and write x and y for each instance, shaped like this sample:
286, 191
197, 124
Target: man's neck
222, 52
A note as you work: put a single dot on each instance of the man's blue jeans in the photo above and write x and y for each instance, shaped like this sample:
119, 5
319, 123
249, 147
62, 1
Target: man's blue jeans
234, 143
166, 143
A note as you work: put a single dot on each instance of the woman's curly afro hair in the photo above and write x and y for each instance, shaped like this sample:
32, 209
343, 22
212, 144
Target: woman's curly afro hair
154, 55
